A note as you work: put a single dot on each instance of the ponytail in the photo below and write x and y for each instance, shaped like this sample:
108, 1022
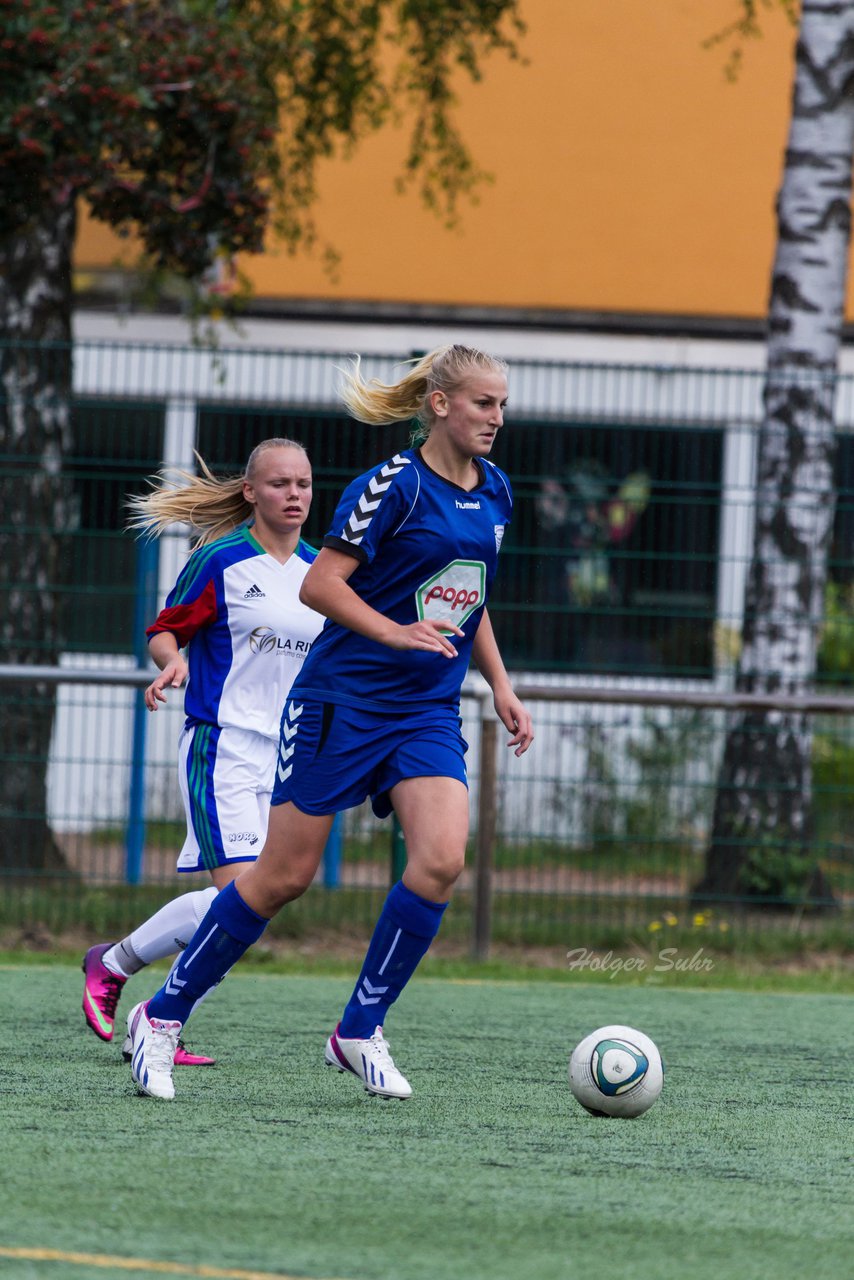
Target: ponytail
444, 369
212, 507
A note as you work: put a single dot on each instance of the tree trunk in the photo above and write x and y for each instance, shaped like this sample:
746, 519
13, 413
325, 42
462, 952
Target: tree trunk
35, 517
761, 844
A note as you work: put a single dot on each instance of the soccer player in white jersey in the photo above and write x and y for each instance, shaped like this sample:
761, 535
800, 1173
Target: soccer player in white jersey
236, 608
402, 578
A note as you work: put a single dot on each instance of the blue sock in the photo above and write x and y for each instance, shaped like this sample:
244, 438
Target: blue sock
228, 929
403, 933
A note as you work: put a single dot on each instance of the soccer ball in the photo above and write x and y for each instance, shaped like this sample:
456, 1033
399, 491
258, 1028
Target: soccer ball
616, 1071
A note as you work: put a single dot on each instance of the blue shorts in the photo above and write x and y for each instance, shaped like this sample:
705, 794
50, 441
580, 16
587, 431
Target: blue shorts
333, 757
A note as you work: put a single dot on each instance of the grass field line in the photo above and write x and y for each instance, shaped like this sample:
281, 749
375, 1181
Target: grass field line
139, 1264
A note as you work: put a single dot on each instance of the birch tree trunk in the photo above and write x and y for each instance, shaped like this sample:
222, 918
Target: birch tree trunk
35, 515
761, 838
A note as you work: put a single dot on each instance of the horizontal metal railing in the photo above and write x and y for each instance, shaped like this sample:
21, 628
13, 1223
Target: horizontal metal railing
571, 691
713, 700
491, 780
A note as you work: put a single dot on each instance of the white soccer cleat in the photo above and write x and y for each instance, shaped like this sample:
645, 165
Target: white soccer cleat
153, 1047
370, 1061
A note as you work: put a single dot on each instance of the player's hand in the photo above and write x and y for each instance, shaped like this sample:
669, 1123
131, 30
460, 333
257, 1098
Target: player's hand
427, 636
516, 718
172, 676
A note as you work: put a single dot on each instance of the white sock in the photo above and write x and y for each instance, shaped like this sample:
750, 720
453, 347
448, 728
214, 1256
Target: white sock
167, 931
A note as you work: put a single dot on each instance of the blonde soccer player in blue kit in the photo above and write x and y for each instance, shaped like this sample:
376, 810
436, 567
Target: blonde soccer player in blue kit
402, 578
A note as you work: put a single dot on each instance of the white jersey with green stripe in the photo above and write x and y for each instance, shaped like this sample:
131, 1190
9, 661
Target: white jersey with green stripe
238, 609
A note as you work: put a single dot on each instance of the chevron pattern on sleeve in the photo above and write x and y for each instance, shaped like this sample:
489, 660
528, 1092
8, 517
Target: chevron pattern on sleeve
290, 727
364, 510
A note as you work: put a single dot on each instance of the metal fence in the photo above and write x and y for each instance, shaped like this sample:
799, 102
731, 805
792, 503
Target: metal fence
601, 832
619, 603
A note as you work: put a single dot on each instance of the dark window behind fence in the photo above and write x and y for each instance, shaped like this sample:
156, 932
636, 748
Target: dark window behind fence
116, 447
611, 561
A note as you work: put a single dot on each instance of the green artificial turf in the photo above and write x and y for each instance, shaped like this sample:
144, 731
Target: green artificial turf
271, 1163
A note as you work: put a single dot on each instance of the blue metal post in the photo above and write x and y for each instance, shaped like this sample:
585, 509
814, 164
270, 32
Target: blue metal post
332, 853
145, 600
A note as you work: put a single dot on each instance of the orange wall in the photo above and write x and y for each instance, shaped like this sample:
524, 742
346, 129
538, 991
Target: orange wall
629, 176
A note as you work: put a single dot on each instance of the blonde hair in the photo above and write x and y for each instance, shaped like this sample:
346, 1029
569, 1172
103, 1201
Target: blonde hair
445, 369
213, 507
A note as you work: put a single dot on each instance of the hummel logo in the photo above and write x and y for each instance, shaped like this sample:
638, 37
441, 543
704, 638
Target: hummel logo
254, 593
288, 731
371, 498
371, 994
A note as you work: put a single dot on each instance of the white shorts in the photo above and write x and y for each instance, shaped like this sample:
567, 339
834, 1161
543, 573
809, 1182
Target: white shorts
226, 778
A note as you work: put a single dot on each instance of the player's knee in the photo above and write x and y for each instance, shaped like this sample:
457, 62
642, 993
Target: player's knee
295, 882
283, 886
452, 870
443, 867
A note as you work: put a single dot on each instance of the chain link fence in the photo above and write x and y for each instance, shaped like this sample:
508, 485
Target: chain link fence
619, 605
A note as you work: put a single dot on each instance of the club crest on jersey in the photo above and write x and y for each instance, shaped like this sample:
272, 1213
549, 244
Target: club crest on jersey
452, 594
265, 640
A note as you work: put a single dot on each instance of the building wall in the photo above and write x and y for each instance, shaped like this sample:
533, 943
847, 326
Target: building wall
629, 176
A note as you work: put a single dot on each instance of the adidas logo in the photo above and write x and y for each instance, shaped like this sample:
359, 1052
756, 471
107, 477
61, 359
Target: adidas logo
254, 593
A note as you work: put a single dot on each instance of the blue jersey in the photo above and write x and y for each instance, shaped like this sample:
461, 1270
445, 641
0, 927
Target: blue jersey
426, 549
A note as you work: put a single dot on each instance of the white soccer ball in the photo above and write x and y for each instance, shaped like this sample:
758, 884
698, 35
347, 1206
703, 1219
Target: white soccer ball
616, 1071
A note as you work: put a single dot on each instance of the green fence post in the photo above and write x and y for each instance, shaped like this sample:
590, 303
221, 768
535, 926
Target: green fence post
398, 850
145, 598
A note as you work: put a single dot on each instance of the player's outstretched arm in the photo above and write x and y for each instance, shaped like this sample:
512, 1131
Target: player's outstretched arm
163, 648
512, 713
326, 589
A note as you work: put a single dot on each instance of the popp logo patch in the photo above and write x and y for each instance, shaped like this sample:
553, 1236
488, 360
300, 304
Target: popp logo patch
453, 593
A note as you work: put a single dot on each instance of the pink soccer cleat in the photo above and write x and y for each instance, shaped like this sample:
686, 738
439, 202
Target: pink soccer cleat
101, 992
183, 1056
